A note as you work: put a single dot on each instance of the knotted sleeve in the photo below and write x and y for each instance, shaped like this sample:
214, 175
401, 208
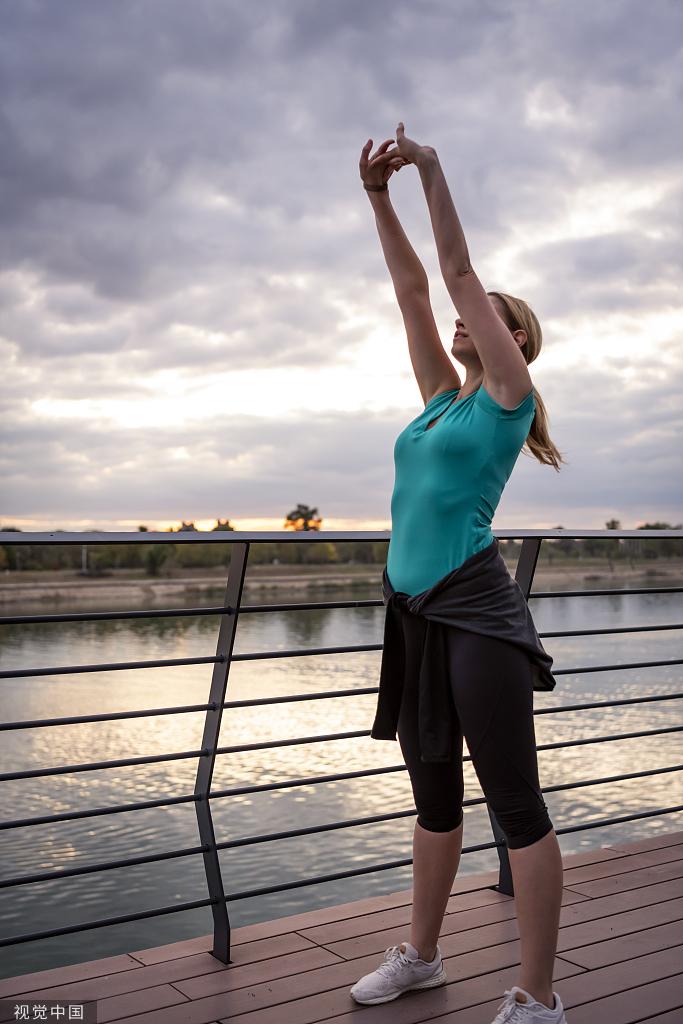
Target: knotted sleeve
435, 717
392, 674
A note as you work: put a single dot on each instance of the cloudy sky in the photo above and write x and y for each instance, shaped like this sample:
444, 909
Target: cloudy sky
196, 319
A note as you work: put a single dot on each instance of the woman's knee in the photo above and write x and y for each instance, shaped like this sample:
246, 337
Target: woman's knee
441, 823
438, 801
524, 827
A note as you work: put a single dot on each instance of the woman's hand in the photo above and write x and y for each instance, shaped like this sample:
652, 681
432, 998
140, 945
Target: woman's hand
378, 169
409, 150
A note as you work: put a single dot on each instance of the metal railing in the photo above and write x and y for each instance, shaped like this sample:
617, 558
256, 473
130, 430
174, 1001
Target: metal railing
229, 612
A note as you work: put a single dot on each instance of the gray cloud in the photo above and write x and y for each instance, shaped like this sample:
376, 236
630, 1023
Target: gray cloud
165, 168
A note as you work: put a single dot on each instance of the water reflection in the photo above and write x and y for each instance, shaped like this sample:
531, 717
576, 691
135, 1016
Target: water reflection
90, 840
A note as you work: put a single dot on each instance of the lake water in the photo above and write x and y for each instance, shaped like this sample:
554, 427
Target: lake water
27, 908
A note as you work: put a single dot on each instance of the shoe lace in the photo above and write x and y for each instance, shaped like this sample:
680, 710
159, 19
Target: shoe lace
393, 957
510, 1011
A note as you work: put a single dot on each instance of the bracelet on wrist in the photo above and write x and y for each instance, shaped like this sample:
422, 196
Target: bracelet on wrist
376, 188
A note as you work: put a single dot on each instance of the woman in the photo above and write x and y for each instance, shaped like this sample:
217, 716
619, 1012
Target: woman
461, 656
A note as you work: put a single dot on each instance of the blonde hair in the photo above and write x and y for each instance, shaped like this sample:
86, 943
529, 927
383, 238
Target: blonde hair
519, 315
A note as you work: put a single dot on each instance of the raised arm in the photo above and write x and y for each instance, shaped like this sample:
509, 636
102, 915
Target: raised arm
433, 369
405, 268
498, 351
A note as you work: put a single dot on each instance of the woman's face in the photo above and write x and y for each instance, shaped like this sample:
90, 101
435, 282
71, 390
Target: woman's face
462, 340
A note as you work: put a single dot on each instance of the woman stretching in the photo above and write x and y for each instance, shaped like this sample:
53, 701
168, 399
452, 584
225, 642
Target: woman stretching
461, 655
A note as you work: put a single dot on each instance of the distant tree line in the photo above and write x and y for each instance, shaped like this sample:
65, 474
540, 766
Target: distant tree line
158, 559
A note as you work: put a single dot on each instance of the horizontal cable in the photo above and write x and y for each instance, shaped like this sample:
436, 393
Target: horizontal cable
14, 620
607, 779
314, 780
320, 879
304, 606
317, 880
93, 812
107, 865
160, 613
148, 613
295, 741
361, 648
608, 703
308, 830
605, 593
357, 734
44, 723
300, 653
297, 833
609, 739
267, 787
371, 602
357, 691
270, 744
306, 651
51, 933
354, 691
611, 630
114, 667
91, 766
309, 780
230, 537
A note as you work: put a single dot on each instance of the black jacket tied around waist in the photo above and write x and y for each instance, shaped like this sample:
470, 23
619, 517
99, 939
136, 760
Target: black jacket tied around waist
480, 596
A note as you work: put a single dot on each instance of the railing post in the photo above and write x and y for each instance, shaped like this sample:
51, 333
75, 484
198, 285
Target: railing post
524, 576
239, 553
505, 884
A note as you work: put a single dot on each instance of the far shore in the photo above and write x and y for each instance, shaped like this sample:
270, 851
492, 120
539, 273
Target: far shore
61, 587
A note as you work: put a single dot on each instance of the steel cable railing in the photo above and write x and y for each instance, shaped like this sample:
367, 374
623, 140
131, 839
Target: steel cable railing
227, 613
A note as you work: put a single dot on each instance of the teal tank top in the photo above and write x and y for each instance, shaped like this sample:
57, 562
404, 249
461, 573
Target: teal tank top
448, 483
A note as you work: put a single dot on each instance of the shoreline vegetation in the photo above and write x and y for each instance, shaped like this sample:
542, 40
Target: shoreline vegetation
63, 586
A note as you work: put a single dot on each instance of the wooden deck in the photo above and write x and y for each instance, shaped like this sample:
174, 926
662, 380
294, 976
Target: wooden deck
619, 957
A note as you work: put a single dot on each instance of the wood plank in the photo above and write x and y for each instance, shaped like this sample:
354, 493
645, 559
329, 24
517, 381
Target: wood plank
160, 996
621, 1008
587, 987
672, 1017
323, 915
320, 993
663, 992
196, 970
621, 977
599, 853
193, 976
307, 919
337, 1006
629, 1006
621, 923
288, 942
474, 928
626, 947
336, 931
70, 972
651, 843
594, 944
631, 862
620, 902
270, 971
629, 880
224, 981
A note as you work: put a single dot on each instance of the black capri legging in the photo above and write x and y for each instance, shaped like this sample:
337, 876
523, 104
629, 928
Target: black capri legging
492, 690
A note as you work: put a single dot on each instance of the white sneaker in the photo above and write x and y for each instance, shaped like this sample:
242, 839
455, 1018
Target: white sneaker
520, 1007
400, 971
